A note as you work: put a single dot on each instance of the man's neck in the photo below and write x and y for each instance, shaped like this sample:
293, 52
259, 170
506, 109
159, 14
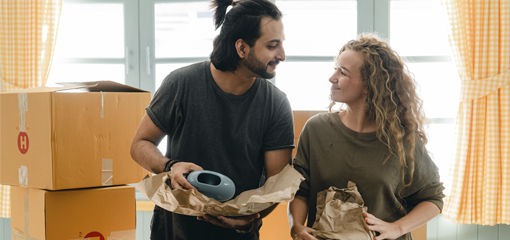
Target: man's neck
236, 82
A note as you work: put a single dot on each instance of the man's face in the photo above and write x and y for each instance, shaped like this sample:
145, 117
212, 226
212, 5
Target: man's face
268, 50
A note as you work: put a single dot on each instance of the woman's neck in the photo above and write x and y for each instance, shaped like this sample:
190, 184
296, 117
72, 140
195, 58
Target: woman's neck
357, 120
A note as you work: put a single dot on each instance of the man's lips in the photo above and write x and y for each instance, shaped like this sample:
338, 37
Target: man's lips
273, 63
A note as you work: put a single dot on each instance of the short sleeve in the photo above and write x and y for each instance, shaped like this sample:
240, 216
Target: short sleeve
302, 162
280, 133
426, 185
164, 109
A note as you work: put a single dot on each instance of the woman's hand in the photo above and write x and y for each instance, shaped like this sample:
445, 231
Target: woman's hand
387, 230
241, 223
300, 232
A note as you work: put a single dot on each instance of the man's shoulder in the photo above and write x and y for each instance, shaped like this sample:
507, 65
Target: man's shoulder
190, 70
272, 89
186, 74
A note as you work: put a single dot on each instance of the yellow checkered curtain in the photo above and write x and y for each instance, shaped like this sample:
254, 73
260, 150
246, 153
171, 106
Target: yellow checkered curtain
479, 181
28, 30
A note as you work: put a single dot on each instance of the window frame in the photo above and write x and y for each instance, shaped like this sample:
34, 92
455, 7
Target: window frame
131, 55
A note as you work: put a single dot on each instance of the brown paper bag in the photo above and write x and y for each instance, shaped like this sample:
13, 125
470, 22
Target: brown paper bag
278, 188
340, 215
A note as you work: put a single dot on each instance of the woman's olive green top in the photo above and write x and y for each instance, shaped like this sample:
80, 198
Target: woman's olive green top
330, 154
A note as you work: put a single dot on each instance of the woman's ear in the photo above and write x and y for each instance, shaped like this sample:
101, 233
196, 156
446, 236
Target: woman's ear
242, 48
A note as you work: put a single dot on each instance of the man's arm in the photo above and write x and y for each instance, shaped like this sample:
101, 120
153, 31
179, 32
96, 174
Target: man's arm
275, 161
144, 148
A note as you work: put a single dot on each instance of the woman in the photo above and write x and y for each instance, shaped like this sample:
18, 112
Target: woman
376, 141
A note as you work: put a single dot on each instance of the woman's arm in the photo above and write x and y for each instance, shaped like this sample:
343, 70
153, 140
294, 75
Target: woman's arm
297, 213
420, 215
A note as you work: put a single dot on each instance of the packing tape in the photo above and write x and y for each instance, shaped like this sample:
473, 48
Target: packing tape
26, 215
17, 235
123, 235
107, 172
23, 176
23, 107
102, 104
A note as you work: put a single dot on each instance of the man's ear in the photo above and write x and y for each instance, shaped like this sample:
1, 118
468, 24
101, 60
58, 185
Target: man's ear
242, 48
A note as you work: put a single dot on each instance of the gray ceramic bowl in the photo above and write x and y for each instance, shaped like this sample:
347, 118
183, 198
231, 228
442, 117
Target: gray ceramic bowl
212, 184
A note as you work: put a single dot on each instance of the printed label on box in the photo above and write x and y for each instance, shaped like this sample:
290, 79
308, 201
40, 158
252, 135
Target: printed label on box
23, 142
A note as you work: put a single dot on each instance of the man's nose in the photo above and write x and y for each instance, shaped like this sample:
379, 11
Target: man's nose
281, 54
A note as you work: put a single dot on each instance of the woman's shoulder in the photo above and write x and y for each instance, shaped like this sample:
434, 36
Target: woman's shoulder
320, 119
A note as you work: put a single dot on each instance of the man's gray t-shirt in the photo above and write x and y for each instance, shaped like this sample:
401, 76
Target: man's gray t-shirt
219, 131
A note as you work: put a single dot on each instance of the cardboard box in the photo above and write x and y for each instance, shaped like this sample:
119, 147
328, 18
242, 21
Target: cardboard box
71, 137
95, 213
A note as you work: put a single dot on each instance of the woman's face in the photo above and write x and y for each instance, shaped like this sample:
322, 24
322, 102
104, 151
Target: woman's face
347, 86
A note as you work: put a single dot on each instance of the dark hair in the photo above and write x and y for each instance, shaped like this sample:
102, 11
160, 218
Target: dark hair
241, 22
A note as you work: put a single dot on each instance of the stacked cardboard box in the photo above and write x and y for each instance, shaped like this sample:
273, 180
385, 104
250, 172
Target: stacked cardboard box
67, 150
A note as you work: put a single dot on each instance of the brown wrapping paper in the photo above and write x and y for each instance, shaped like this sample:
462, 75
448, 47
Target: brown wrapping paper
278, 188
340, 215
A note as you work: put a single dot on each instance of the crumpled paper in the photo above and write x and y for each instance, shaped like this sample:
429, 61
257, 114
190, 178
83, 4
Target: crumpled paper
340, 215
278, 188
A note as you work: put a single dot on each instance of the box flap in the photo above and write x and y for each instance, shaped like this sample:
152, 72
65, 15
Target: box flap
45, 89
95, 86
101, 86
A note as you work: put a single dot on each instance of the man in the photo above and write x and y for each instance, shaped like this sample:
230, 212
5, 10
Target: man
221, 116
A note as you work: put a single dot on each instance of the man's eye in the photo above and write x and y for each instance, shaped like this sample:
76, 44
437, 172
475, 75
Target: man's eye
271, 47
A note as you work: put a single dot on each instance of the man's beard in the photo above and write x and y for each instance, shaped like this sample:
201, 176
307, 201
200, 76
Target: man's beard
257, 67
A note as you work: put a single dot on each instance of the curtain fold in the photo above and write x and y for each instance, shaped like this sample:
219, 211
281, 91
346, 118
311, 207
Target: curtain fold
27, 38
479, 180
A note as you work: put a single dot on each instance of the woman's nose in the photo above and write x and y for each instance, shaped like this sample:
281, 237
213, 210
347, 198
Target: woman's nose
333, 79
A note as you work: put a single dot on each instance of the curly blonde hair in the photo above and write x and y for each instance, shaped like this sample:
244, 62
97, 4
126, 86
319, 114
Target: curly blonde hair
392, 102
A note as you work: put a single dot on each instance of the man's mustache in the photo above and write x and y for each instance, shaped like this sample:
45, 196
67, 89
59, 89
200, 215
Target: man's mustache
274, 62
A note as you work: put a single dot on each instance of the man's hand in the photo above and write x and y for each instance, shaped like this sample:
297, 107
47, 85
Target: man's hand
387, 230
231, 222
179, 172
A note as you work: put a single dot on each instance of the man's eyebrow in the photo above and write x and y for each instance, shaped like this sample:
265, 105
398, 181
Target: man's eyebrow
275, 41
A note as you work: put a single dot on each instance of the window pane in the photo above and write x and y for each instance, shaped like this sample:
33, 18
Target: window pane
163, 145
162, 70
440, 146
184, 29
439, 86
317, 28
305, 83
89, 30
63, 72
419, 28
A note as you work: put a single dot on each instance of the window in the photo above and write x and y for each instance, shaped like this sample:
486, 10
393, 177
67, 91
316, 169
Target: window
97, 40
419, 32
314, 31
